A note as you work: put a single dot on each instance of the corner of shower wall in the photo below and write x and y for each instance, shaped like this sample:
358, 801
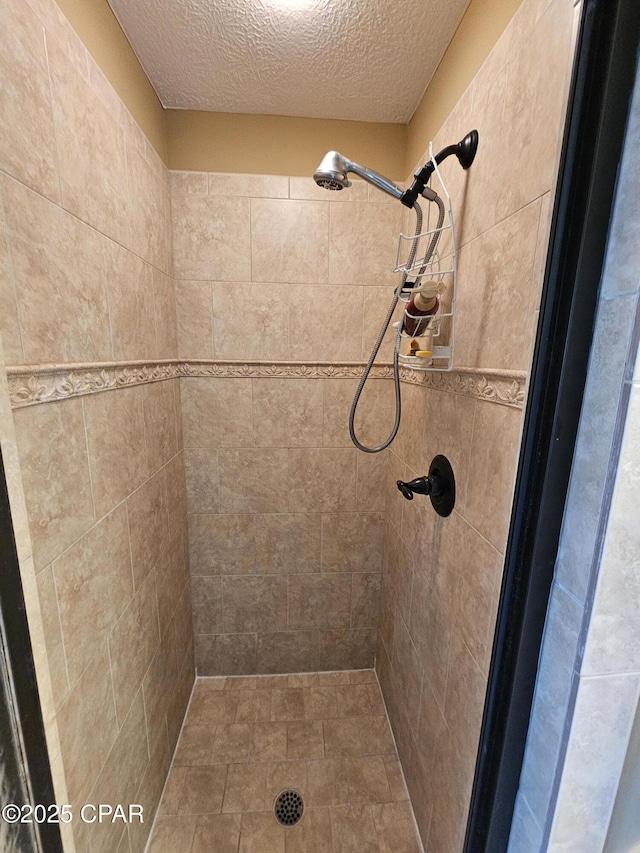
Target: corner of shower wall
277, 309
442, 577
89, 330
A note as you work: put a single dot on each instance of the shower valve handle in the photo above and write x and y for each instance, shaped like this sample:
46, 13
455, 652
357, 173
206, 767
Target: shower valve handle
420, 486
440, 485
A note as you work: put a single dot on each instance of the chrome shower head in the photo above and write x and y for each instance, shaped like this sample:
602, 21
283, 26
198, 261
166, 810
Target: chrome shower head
332, 175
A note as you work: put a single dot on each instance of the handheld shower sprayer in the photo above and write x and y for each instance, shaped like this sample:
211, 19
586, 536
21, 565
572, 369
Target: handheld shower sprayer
332, 175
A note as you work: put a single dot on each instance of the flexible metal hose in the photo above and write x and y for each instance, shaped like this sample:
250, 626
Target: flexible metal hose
396, 350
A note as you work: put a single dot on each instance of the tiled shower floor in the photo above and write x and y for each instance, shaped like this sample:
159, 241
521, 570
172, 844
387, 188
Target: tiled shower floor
246, 739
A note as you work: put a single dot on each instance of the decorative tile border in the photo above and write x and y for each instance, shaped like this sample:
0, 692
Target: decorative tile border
30, 385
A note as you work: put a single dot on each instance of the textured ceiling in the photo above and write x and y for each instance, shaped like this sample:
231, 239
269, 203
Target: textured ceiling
367, 60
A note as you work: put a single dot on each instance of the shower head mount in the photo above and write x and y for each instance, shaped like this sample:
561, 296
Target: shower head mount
465, 151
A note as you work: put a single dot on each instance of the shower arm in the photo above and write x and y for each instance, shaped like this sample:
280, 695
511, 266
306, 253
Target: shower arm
465, 151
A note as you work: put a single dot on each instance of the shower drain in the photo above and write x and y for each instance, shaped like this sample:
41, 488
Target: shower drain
289, 807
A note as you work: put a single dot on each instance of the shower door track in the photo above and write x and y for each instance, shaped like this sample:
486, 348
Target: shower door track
601, 87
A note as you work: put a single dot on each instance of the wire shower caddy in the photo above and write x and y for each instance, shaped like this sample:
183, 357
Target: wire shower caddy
436, 336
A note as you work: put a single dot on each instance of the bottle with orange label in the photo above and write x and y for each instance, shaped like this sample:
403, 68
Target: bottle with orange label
423, 305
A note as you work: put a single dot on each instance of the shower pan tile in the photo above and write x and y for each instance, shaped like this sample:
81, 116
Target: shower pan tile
171, 834
342, 737
230, 800
246, 788
320, 702
287, 705
261, 834
353, 830
203, 790
312, 835
254, 706
195, 746
395, 828
219, 833
305, 739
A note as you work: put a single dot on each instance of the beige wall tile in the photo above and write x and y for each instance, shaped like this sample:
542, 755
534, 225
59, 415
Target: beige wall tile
254, 186
492, 468
133, 642
537, 83
122, 775
211, 238
201, 471
256, 480
194, 310
9, 321
371, 477
188, 183
207, 605
131, 305
160, 422
344, 648
60, 509
255, 603
318, 330
287, 651
115, 441
60, 281
165, 315
227, 654
216, 412
222, 544
176, 492
287, 412
287, 543
447, 430
365, 600
377, 302
319, 601
148, 795
496, 294
53, 634
27, 138
352, 542
171, 578
148, 525
91, 150
158, 688
94, 584
363, 242
251, 321
289, 241
88, 729
322, 480
149, 209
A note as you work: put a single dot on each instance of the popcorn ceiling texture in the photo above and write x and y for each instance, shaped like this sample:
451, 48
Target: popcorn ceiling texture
364, 60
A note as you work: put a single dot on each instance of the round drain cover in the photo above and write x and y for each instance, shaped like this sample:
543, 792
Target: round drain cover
289, 808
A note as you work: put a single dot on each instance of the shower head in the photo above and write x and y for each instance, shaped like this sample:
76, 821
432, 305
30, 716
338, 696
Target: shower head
332, 175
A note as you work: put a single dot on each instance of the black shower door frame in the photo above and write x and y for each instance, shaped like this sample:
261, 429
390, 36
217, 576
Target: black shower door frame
602, 83
22, 738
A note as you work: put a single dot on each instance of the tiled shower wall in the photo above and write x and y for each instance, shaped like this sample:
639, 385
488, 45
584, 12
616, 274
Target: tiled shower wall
85, 276
286, 518
442, 577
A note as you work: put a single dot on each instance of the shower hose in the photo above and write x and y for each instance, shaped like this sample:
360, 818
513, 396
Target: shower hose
396, 350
